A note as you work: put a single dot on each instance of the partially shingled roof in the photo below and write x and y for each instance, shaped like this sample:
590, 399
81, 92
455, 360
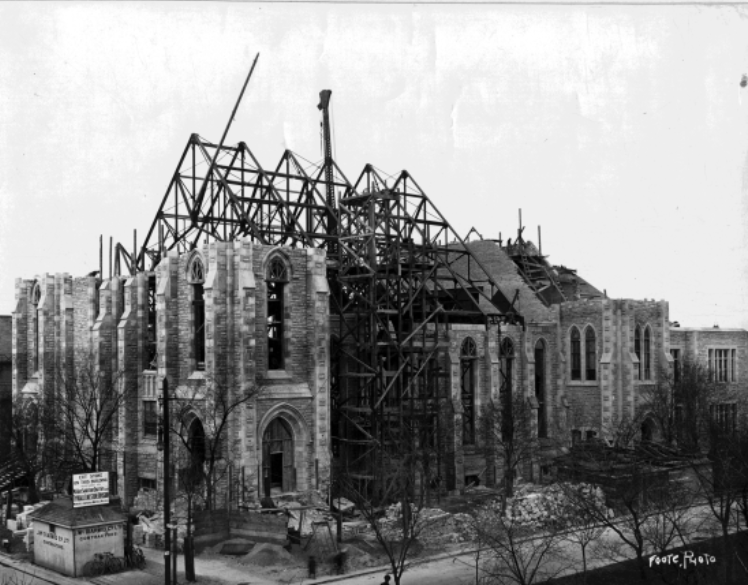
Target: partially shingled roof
61, 513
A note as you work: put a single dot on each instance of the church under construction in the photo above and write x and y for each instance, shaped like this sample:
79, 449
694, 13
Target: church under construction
353, 316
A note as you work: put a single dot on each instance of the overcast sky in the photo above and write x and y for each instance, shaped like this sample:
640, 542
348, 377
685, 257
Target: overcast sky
621, 130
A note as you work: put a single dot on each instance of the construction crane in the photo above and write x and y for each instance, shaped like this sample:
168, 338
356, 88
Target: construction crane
324, 106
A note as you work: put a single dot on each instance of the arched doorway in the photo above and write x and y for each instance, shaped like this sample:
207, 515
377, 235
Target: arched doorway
278, 470
649, 431
191, 469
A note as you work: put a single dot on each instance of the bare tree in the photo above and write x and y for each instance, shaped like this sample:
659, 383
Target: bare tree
679, 404
30, 444
201, 423
507, 433
403, 471
518, 552
640, 493
81, 413
581, 524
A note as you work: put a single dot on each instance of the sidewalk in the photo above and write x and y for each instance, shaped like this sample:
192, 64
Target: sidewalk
223, 571
25, 567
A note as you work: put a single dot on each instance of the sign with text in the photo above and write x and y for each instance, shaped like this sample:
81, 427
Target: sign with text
90, 489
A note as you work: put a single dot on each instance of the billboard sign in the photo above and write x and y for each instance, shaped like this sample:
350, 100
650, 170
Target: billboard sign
90, 489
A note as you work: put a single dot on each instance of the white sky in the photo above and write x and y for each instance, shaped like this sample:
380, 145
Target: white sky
621, 130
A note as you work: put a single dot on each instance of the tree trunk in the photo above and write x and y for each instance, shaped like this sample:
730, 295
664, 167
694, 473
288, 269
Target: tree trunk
642, 565
584, 564
726, 549
189, 548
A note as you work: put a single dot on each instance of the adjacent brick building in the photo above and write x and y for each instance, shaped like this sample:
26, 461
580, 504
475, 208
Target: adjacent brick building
5, 383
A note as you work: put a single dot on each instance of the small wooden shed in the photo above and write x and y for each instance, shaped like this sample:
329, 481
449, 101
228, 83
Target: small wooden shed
66, 538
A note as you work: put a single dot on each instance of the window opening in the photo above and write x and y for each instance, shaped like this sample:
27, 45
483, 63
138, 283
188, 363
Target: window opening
540, 388
505, 391
675, 353
196, 276
276, 281
468, 356
647, 354
146, 483
722, 365
590, 350
576, 355
150, 418
724, 416
638, 351
151, 346
36, 295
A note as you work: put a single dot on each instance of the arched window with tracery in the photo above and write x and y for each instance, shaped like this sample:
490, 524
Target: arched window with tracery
590, 354
151, 344
506, 374
277, 278
647, 353
196, 276
468, 358
638, 351
576, 354
540, 388
36, 295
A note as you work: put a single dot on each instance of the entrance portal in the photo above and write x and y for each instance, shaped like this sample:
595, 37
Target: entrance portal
649, 431
278, 470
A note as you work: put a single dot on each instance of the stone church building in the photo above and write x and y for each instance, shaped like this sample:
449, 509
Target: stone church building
253, 322
239, 318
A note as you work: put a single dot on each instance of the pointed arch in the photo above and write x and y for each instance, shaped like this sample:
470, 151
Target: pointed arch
276, 279
36, 295
196, 268
294, 422
541, 387
647, 352
506, 390
576, 353
590, 354
196, 274
468, 363
638, 351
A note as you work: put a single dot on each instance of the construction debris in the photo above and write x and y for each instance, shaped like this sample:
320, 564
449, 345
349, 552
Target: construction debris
266, 555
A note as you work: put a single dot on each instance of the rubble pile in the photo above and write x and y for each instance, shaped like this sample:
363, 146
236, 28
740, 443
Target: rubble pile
266, 555
301, 520
435, 526
146, 499
534, 505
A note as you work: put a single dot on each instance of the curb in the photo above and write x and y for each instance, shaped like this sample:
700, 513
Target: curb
27, 568
388, 568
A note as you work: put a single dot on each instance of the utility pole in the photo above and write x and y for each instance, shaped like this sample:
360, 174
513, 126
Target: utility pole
164, 444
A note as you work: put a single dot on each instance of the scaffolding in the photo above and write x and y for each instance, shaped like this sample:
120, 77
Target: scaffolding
399, 277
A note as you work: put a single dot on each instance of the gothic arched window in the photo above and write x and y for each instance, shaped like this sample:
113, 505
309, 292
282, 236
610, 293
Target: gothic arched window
590, 354
540, 388
277, 278
576, 354
647, 353
638, 351
468, 357
36, 295
196, 276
